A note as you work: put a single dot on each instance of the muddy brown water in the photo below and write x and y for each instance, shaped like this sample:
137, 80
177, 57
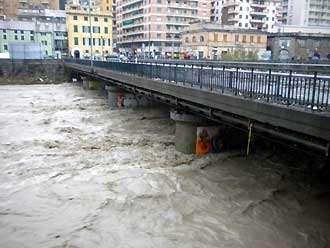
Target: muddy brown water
75, 173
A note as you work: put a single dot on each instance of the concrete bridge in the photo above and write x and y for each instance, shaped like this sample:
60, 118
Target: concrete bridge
287, 105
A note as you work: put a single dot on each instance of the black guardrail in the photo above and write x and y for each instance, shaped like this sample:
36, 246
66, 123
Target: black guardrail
286, 88
305, 68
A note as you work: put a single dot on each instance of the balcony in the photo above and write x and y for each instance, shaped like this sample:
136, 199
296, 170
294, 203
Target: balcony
233, 11
257, 5
233, 19
257, 21
256, 13
231, 4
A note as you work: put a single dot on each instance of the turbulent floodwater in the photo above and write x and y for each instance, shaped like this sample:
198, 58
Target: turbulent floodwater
74, 173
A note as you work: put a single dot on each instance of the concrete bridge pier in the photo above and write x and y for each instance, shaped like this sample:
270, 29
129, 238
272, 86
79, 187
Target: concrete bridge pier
90, 84
120, 98
113, 92
186, 131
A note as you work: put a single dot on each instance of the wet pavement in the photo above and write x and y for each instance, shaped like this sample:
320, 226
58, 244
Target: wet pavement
75, 173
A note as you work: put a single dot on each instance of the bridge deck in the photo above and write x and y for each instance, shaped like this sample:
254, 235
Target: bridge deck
245, 95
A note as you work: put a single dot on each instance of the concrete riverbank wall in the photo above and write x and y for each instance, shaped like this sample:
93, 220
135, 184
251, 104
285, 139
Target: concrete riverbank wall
32, 71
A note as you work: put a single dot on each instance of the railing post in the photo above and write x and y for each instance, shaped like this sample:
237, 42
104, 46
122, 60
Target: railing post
237, 79
223, 79
192, 75
200, 76
212, 77
251, 83
269, 82
289, 87
230, 80
184, 76
175, 73
314, 89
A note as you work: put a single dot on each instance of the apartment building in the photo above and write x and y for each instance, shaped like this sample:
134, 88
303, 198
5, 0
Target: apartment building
255, 14
8, 8
44, 27
90, 29
152, 27
306, 13
114, 26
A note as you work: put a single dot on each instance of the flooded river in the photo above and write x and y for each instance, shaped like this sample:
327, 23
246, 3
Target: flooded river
75, 173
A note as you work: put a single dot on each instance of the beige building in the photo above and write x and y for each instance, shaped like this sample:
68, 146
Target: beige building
212, 41
8, 8
90, 32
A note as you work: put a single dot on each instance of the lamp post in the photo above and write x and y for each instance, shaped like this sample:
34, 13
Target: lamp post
90, 32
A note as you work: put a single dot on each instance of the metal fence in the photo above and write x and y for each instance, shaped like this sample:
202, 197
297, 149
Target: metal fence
289, 88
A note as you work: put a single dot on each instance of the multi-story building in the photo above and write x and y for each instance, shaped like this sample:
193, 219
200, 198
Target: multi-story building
306, 13
214, 41
255, 14
114, 26
8, 8
44, 27
90, 29
152, 27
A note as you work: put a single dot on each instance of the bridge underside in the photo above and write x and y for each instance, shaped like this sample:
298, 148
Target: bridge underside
284, 122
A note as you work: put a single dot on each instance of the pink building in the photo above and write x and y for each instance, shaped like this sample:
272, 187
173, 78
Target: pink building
153, 26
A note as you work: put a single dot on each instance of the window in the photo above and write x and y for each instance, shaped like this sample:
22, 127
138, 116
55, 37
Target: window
159, 1
85, 18
194, 39
86, 41
225, 38
5, 47
258, 39
76, 43
16, 37
105, 19
251, 39
75, 28
187, 39
75, 18
159, 36
106, 30
22, 37
32, 37
96, 30
86, 29
236, 38
201, 39
215, 37
96, 19
4, 36
244, 39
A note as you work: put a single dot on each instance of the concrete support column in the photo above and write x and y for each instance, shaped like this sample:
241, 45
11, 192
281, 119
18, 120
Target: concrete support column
122, 99
186, 131
90, 84
85, 83
113, 93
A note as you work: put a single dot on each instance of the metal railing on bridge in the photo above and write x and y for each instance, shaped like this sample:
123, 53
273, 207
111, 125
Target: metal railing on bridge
286, 88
